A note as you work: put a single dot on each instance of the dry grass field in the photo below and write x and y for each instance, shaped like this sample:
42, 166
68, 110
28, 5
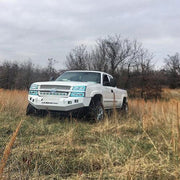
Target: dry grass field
144, 144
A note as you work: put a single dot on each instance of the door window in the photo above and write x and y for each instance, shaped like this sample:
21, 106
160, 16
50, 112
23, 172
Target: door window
112, 81
106, 81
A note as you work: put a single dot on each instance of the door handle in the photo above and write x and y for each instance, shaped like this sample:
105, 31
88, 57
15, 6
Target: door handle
112, 90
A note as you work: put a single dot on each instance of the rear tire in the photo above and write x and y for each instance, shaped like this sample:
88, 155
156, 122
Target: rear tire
125, 107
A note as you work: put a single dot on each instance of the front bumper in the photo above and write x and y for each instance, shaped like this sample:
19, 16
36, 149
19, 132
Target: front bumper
58, 104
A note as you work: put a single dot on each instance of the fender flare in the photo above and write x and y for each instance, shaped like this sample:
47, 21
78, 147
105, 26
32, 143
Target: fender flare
93, 93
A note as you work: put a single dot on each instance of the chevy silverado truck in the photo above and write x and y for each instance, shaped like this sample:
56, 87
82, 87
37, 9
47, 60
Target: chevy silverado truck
83, 92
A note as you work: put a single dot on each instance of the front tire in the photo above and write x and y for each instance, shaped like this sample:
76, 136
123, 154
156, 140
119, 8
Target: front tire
30, 110
96, 111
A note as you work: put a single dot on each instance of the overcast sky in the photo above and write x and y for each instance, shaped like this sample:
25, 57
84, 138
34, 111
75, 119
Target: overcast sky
42, 29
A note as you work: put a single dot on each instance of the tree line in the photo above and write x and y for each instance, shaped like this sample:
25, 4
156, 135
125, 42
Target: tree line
14, 75
127, 60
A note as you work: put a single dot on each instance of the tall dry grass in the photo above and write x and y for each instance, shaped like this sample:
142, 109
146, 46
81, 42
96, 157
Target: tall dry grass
143, 144
8, 148
153, 113
169, 94
13, 101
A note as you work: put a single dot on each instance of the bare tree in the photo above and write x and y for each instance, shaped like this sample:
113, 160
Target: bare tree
144, 66
172, 67
99, 57
173, 63
143, 76
50, 70
116, 51
8, 73
131, 62
25, 75
78, 58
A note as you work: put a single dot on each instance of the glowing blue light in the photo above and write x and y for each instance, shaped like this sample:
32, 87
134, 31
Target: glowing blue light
79, 88
33, 92
77, 94
34, 86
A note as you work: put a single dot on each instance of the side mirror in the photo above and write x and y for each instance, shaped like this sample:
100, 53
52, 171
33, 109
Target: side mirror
113, 82
51, 78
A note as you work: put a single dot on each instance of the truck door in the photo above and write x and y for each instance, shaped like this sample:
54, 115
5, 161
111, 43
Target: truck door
107, 92
117, 95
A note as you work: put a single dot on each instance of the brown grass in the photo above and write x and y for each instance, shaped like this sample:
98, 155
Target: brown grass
11, 101
153, 113
8, 149
144, 144
15, 101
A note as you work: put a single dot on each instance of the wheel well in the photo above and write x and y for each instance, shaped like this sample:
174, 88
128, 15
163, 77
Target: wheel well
97, 98
124, 99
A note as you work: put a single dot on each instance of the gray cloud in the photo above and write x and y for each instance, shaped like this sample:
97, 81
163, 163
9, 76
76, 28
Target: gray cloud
51, 28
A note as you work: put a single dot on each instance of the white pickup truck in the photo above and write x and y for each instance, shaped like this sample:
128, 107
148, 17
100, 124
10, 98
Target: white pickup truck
79, 92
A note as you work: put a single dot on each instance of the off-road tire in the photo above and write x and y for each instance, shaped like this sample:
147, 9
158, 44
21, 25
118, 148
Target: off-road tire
96, 111
125, 107
30, 110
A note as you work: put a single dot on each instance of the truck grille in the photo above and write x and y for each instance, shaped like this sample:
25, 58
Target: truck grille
52, 93
58, 87
47, 93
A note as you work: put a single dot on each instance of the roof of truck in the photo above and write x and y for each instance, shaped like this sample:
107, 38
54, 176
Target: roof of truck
84, 71
87, 71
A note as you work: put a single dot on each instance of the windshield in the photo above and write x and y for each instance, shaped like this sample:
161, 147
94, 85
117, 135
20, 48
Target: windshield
80, 76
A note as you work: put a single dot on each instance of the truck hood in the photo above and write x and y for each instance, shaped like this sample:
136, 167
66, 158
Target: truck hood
65, 83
